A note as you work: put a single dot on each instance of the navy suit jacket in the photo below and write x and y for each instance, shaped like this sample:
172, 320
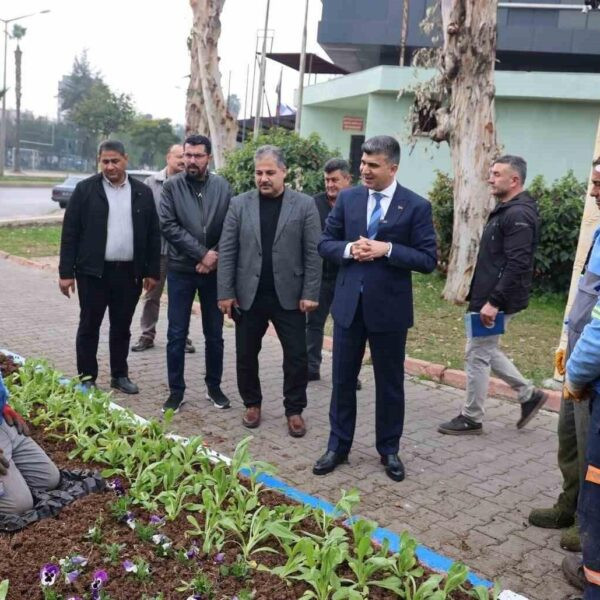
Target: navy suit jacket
385, 282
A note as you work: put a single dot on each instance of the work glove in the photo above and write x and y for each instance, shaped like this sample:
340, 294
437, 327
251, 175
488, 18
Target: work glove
3, 464
14, 419
559, 361
569, 394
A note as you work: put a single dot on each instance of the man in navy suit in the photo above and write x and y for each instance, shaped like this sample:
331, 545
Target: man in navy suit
378, 233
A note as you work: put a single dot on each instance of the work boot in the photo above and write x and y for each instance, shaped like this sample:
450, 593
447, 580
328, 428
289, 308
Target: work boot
572, 567
551, 518
569, 539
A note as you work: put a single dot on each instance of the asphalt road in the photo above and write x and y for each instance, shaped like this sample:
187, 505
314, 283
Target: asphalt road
26, 202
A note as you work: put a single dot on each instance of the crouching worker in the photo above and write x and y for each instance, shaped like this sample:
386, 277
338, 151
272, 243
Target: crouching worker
583, 380
24, 466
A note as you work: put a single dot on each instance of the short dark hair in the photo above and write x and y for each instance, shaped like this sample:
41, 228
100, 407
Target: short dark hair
268, 150
383, 144
198, 140
336, 164
517, 163
112, 146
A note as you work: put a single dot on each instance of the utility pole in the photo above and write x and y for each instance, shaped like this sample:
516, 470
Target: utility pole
302, 70
245, 105
261, 79
404, 32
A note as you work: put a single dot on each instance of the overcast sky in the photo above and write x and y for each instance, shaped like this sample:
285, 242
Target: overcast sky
139, 46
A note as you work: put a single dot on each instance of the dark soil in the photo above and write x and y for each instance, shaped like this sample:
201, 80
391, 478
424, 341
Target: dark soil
7, 365
49, 540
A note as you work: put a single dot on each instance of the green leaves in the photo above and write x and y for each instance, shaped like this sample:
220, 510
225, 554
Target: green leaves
305, 159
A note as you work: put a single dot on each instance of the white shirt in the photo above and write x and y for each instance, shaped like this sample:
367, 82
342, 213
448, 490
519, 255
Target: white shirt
388, 194
119, 230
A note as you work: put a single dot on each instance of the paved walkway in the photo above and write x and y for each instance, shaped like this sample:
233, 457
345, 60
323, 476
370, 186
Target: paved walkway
467, 498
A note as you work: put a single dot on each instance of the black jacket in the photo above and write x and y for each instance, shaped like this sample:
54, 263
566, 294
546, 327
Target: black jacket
84, 231
192, 223
330, 269
504, 268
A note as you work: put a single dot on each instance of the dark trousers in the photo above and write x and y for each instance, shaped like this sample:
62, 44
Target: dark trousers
315, 324
589, 506
290, 328
182, 288
387, 355
119, 291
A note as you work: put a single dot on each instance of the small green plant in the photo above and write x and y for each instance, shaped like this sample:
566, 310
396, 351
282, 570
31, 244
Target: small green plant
239, 569
200, 585
119, 509
145, 532
113, 552
94, 533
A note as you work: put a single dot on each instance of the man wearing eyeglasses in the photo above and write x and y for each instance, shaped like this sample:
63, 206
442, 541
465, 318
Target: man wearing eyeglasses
191, 211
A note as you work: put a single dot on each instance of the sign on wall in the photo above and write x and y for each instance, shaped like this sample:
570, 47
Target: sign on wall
353, 124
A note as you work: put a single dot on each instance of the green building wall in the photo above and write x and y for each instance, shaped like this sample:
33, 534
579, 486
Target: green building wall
550, 119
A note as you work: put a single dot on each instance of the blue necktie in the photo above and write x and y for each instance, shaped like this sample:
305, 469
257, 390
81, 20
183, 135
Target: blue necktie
375, 217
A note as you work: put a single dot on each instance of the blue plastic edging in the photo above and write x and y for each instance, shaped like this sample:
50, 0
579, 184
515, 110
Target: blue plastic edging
429, 558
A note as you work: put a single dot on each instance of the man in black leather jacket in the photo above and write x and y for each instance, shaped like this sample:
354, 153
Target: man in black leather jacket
501, 282
192, 210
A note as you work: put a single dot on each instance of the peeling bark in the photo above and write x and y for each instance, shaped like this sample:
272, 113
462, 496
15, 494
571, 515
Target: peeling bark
467, 123
206, 107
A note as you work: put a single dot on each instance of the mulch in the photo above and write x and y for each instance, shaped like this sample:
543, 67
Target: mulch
49, 540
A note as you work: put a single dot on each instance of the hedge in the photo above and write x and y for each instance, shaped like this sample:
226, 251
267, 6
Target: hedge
561, 208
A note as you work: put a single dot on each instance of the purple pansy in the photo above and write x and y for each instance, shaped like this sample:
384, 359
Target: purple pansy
156, 520
100, 578
130, 520
116, 485
219, 558
129, 566
193, 551
48, 574
72, 576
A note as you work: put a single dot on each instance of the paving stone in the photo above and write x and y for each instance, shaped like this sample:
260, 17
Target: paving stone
468, 498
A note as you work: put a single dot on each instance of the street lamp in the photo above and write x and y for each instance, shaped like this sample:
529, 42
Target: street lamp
3, 121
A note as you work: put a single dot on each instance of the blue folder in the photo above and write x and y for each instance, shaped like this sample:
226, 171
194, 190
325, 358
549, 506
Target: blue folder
475, 328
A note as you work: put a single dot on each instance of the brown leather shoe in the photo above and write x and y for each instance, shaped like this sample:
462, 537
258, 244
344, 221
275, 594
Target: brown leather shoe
296, 426
251, 418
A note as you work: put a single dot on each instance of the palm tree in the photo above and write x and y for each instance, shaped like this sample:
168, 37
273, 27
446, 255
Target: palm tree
17, 33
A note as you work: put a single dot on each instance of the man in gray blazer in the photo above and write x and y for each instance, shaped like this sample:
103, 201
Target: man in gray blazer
269, 270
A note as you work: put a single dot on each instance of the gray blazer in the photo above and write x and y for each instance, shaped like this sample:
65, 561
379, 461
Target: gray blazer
296, 263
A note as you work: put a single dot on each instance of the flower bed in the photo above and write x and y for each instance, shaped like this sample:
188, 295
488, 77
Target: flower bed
178, 524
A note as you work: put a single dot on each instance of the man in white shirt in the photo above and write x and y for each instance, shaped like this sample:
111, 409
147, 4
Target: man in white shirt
110, 245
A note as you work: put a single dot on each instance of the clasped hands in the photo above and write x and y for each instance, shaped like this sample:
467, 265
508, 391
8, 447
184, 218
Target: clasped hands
208, 263
365, 250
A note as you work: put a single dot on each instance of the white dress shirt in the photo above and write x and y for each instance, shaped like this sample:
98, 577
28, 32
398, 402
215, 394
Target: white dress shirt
386, 200
119, 230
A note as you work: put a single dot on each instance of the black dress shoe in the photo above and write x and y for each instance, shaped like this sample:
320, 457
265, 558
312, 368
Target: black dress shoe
328, 462
124, 384
394, 468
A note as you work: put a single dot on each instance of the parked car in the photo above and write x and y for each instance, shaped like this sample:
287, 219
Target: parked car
61, 193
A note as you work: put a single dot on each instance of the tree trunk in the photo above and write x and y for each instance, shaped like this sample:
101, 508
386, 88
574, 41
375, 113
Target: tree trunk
195, 111
222, 127
467, 123
18, 55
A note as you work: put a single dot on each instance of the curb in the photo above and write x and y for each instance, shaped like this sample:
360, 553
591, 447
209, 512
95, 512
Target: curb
35, 221
412, 366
